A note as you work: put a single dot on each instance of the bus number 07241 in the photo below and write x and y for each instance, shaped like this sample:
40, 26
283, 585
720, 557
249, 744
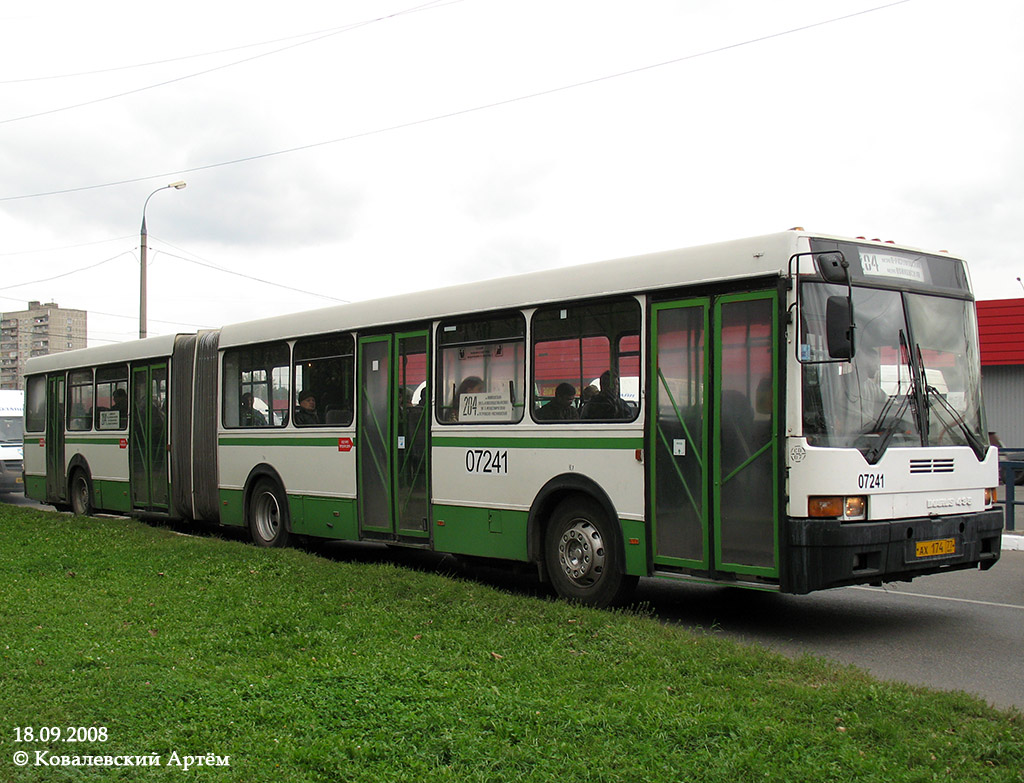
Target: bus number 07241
486, 461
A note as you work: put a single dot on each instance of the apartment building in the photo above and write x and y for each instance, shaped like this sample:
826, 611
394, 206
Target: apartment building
41, 329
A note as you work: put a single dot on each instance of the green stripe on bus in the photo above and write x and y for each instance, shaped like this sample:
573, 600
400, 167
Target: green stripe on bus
103, 441
278, 441
568, 442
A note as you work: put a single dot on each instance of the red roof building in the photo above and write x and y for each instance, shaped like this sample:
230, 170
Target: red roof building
1001, 329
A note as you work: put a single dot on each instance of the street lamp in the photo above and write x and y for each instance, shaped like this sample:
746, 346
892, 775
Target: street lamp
142, 253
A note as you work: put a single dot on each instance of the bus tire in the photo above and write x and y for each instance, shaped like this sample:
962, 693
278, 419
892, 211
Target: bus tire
268, 514
583, 556
80, 493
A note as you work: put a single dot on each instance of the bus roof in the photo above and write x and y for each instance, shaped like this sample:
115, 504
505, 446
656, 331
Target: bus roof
150, 348
765, 255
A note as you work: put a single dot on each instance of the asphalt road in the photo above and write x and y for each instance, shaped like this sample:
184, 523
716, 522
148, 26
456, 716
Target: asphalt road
958, 631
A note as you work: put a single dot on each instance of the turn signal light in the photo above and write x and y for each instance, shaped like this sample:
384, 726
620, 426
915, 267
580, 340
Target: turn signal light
824, 507
990, 496
838, 507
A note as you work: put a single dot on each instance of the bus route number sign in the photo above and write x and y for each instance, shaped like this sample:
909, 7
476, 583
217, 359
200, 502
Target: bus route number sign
489, 461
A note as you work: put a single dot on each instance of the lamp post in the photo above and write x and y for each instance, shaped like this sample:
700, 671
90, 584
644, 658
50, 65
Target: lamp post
142, 257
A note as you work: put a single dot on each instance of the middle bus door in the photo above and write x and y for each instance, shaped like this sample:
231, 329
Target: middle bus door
147, 439
713, 440
56, 477
393, 436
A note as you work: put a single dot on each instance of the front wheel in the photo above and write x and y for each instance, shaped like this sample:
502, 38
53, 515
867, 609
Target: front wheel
80, 491
268, 514
583, 555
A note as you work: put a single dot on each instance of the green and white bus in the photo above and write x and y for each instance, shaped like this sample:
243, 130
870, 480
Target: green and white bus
788, 412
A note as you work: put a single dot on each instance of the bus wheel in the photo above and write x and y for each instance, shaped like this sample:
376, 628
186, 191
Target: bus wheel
582, 554
268, 514
80, 493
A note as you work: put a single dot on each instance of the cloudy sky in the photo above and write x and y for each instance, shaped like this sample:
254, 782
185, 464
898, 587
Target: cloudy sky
344, 151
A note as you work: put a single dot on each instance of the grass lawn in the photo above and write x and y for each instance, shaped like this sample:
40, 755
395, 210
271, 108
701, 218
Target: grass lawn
292, 667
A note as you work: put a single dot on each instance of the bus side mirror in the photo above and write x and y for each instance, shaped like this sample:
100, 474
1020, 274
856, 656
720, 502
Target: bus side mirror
834, 268
839, 327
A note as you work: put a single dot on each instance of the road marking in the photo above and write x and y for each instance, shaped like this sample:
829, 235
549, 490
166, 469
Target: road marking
939, 597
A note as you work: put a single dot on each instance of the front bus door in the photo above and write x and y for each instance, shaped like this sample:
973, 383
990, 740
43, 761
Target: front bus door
56, 478
713, 435
393, 436
147, 452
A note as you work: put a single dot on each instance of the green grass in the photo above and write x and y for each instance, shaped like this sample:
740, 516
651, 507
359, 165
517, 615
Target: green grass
301, 668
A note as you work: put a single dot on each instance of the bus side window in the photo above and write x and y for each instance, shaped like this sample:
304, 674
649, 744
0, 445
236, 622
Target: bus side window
112, 398
257, 386
80, 397
482, 370
35, 404
594, 349
323, 368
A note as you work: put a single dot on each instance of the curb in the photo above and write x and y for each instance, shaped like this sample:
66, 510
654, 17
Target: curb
1013, 541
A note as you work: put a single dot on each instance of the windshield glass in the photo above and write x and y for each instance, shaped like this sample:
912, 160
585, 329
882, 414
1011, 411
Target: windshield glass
874, 401
11, 429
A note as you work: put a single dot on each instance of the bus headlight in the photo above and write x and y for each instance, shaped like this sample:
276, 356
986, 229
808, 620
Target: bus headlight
854, 507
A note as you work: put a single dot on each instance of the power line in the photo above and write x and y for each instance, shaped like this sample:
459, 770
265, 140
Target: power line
459, 112
100, 312
151, 63
250, 277
66, 274
66, 247
216, 68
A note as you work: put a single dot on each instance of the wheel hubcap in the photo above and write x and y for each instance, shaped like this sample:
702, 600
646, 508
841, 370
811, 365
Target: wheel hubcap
267, 516
81, 495
581, 553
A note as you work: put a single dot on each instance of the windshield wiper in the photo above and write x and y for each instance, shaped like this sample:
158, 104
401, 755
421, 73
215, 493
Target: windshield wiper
973, 440
875, 453
957, 418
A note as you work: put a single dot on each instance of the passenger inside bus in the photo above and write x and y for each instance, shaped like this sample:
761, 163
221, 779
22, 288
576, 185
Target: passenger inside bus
250, 416
561, 408
470, 385
121, 406
606, 404
305, 412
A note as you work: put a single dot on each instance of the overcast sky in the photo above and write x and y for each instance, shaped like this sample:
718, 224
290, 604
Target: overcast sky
394, 146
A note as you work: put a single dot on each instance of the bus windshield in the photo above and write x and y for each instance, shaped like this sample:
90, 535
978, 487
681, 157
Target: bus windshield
915, 379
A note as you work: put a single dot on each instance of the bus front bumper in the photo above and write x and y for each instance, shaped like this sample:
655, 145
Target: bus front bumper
828, 553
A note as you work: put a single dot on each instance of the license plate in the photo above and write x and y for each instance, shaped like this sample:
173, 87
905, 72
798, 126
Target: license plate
936, 548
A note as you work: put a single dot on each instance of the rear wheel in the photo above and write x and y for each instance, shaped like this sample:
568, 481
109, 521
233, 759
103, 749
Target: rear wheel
80, 494
583, 554
268, 514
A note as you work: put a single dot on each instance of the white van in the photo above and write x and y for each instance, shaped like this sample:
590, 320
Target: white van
12, 405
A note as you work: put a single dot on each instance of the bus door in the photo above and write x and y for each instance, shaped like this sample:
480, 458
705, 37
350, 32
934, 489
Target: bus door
392, 435
713, 435
147, 439
56, 478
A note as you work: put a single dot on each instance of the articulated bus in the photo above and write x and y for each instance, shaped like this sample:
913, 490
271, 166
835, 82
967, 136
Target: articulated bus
789, 412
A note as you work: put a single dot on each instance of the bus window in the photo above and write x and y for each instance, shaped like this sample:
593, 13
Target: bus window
80, 396
482, 371
594, 349
35, 404
256, 386
112, 398
323, 371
